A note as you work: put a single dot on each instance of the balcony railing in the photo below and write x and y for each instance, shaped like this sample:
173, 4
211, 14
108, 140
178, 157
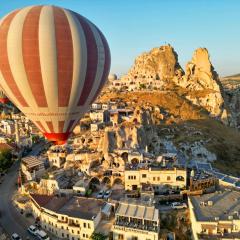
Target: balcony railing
137, 226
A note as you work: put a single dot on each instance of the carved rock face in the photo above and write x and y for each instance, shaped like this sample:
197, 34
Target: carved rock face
159, 63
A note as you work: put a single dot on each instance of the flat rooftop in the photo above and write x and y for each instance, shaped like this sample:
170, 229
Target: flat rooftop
224, 204
137, 210
78, 207
31, 161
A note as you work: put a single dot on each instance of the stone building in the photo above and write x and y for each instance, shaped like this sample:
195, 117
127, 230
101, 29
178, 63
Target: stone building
32, 167
68, 218
157, 176
136, 221
215, 215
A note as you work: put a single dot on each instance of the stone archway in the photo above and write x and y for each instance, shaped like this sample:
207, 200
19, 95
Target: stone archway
134, 161
124, 156
180, 178
118, 181
94, 181
106, 180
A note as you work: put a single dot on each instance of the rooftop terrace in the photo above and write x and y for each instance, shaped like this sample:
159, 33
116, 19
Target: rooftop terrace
223, 205
78, 207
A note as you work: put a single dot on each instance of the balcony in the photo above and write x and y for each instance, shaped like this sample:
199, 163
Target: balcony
137, 226
233, 235
73, 225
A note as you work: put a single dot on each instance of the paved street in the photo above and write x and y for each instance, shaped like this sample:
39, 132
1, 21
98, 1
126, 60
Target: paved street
10, 219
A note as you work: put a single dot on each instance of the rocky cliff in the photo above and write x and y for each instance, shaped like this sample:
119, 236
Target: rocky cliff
160, 64
199, 84
231, 87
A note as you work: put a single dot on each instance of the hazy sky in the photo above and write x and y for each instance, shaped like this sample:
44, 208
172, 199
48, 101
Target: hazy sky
134, 26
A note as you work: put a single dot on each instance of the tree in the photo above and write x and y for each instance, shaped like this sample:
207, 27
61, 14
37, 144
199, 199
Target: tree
98, 236
5, 160
142, 86
35, 138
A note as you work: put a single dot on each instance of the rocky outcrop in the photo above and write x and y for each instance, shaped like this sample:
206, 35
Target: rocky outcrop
200, 74
160, 64
159, 69
231, 87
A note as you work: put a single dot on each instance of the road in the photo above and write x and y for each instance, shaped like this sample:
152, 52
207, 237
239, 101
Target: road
10, 219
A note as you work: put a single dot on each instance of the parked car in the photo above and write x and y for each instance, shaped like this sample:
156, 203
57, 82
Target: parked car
178, 205
107, 194
15, 236
100, 194
32, 230
41, 235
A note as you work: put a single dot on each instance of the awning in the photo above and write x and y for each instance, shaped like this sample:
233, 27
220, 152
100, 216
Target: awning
208, 226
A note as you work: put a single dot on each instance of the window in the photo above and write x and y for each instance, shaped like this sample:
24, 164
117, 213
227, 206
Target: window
154, 178
88, 225
62, 234
84, 235
120, 236
144, 175
168, 178
84, 225
158, 178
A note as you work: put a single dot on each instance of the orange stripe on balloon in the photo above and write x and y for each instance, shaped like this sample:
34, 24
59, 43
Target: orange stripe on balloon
40, 126
31, 58
64, 46
50, 126
61, 126
4, 61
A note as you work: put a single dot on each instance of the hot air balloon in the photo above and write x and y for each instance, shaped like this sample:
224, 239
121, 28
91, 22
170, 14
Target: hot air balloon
53, 64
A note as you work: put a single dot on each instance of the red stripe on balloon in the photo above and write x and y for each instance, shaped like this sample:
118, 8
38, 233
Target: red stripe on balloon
50, 126
106, 66
31, 58
4, 61
64, 47
60, 126
92, 60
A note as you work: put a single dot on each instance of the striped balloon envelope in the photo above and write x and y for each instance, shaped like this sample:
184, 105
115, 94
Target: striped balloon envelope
53, 64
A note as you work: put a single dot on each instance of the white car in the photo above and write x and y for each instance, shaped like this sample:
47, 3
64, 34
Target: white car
100, 194
42, 235
32, 230
107, 194
15, 236
177, 205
